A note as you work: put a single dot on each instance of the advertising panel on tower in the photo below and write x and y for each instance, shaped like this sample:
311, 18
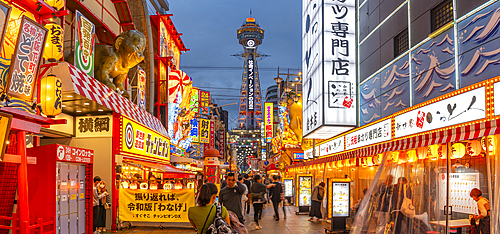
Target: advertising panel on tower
329, 67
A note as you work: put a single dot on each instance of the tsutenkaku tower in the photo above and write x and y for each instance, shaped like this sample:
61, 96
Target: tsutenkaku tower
250, 36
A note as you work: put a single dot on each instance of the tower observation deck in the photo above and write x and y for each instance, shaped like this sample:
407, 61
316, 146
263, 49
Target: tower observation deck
250, 36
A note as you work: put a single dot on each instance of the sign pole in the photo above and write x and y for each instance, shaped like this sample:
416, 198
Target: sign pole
23, 206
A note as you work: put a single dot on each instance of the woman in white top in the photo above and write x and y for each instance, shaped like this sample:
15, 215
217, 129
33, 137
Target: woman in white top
483, 205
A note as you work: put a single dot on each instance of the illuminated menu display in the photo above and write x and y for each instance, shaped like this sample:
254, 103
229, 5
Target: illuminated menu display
288, 187
460, 186
340, 199
304, 194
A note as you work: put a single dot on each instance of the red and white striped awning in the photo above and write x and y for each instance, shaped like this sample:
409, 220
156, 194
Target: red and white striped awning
453, 134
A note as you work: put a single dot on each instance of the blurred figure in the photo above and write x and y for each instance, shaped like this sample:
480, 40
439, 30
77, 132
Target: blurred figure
483, 206
244, 198
401, 223
276, 194
258, 198
99, 212
383, 193
316, 199
248, 183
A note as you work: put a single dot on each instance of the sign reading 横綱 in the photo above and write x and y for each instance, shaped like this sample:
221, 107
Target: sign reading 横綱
140, 140
329, 67
141, 88
94, 126
204, 131
155, 205
250, 83
194, 133
332, 147
22, 79
372, 134
458, 109
73, 154
269, 119
204, 102
222, 143
84, 44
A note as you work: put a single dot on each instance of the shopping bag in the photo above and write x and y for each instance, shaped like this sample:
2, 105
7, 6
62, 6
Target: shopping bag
407, 207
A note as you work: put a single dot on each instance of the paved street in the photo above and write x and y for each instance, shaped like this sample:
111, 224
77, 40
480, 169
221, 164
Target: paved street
294, 224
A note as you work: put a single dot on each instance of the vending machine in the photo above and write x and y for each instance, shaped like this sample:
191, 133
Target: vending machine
60, 185
303, 194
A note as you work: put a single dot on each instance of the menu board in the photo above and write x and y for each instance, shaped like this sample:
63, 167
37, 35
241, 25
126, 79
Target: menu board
304, 186
288, 187
340, 199
460, 186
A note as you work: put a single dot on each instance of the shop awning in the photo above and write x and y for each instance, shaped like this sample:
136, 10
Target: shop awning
75, 81
169, 170
449, 134
178, 159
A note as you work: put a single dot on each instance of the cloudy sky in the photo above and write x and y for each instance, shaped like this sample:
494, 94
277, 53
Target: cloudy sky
209, 31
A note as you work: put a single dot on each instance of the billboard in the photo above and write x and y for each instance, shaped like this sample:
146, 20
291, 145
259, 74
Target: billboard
141, 88
269, 120
140, 140
204, 102
84, 44
250, 83
194, 132
194, 102
204, 131
329, 67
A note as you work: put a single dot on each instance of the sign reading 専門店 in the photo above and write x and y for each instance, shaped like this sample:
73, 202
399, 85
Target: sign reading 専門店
329, 67
84, 44
155, 205
140, 140
458, 109
22, 79
372, 134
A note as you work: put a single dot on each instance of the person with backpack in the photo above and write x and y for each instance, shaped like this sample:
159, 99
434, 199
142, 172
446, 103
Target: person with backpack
206, 216
276, 194
258, 198
316, 199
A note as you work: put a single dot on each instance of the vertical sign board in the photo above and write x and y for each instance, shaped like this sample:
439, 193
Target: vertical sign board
194, 102
329, 65
204, 131
204, 101
22, 79
4, 20
212, 134
163, 42
141, 88
84, 44
222, 143
194, 132
340, 199
5, 120
250, 84
269, 108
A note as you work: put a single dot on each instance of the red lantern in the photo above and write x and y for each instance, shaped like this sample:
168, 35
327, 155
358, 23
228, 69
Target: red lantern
474, 148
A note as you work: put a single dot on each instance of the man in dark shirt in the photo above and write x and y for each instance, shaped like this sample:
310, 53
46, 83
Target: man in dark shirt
276, 194
258, 198
248, 183
230, 196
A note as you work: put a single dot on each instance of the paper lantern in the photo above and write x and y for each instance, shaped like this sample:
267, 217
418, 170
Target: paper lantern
178, 185
56, 4
168, 186
395, 156
442, 152
377, 159
412, 155
51, 95
125, 184
54, 44
153, 186
474, 148
487, 143
433, 152
144, 185
402, 157
352, 162
340, 164
346, 163
369, 161
457, 150
133, 186
190, 185
422, 152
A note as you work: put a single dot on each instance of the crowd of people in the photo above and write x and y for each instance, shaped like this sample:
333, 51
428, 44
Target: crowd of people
236, 197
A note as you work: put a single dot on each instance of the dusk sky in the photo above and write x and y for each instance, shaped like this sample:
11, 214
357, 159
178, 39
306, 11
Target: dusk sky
209, 31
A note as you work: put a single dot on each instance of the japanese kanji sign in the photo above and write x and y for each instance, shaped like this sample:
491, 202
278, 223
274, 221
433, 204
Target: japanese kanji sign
73, 154
194, 102
269, 120
155, 205
211, 143
94, 126
222, 143
204, 102
84, 44
329, 67
372, 134
141, 88
22, 79
204, 130
250, 83
194, 132
143, 141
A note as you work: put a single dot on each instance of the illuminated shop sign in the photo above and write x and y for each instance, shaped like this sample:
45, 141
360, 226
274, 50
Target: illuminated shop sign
84, 44
269, 107
204, 102
204, 131
141, 88
376, 133
140, 140
332, 147
458, 109
329, 67
250, 83
298, 156
308, 154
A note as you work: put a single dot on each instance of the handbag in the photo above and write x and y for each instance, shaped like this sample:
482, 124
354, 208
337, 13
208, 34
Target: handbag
318, 196
407, 207
107, 206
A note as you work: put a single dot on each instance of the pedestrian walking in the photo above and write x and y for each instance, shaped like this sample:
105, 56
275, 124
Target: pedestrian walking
258, 198
283, 197
483, 206
276, 194
316, 199
401, 222
248, 183
230, 196
202, 215
244, 198
267, 181
99, 211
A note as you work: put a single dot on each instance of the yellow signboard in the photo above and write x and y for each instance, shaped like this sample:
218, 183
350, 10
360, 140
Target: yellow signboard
5, 121
140, 140
155, 205
204, 131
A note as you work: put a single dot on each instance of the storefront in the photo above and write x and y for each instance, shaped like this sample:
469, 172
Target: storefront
438, 157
